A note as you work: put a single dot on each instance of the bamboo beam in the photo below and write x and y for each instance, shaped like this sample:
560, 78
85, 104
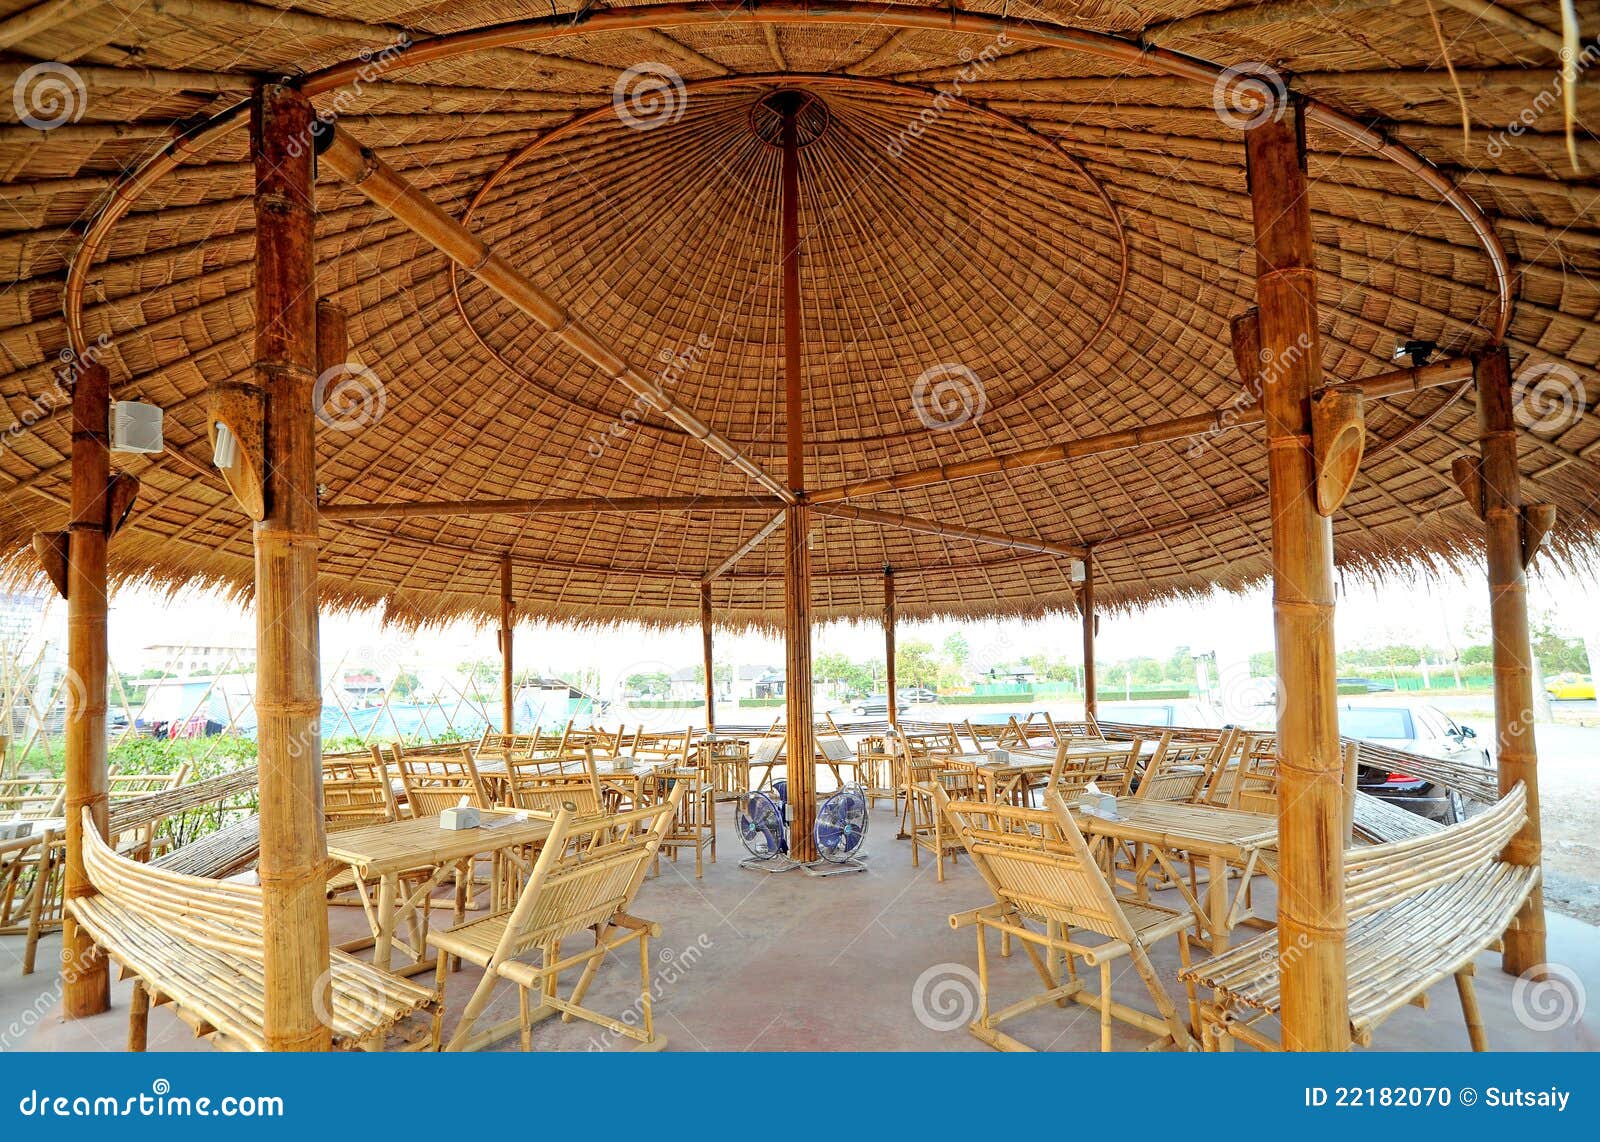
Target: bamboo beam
288, 686
950, 530
507, 620
39, 18
746, 548
1394, 383
579, 505
802, 767
363, 169
707, 657
889, 682
85, 974
1282, 347
1091, 705
1515, 751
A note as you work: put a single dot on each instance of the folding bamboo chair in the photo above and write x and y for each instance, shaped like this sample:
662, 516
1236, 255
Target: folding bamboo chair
584, 880
546, 784
1043, 875
1110, 772
434, 782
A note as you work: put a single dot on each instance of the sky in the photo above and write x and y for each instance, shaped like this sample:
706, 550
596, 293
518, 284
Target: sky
1451, 611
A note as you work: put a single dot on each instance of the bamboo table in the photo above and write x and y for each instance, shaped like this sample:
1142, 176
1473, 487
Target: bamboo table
1220, 836
386, 851
628, 781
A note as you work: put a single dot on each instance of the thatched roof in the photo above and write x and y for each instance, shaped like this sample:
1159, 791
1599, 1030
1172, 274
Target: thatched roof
1057, 214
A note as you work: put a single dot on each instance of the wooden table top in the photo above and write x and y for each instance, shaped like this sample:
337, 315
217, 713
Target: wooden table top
1202, 829
395, 846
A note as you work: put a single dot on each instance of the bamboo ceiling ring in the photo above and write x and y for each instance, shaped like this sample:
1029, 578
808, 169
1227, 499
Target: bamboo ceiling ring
550, 29
796, 79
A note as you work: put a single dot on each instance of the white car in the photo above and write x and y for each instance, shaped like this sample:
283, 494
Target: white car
1418, 729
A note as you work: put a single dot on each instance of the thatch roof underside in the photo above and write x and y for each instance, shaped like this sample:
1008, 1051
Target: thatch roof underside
1073, 230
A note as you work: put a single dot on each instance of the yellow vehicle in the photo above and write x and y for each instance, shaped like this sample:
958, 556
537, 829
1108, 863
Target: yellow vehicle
1570, 687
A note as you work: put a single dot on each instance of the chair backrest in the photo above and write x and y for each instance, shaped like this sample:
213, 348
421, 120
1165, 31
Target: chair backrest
1087, 728
670, 746
1110, 771
1376, 876
1036, 862
587, 872
356, 791
545, 784
434, 782
138, 784
1176, 770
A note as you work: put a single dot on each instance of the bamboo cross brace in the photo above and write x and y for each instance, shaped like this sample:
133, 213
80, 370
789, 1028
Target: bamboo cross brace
548, 505
745, 548
360, 166
1396, 382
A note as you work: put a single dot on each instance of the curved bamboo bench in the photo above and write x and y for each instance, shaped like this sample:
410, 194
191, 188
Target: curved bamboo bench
197, 944
1420, 909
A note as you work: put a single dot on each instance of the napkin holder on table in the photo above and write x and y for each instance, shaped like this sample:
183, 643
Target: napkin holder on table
1098, 804
461, 817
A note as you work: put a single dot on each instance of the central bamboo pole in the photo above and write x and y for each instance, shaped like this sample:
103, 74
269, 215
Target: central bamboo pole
1311, 912
797, 562
890, 684
1091, 706
507, 621
707, 657
86, 980
288, 686
1515, 752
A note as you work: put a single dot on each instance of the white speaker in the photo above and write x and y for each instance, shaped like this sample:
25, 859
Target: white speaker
135, 427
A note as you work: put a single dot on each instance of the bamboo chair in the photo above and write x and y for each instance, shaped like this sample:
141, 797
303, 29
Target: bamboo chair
1176, 770
1001, 735
1110, 772
1421, 910
357, 792
434, 782
32, 798
198, 945
545, 784
1089, 727
585, 880
1043, 875
694, 824
926, 778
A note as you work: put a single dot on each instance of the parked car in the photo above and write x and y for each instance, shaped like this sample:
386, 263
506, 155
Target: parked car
1163, 715
1570, 687
915, 694
1419, 729
1370, 685
878, 704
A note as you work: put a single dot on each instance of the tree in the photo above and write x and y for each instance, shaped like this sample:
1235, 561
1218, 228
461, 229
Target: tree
484, 671
649, 684
405, 684
957, 649
915, 664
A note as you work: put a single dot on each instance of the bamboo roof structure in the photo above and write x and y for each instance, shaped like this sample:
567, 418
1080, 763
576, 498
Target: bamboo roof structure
1025, 232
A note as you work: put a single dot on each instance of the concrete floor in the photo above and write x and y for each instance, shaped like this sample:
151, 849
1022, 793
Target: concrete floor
868, 962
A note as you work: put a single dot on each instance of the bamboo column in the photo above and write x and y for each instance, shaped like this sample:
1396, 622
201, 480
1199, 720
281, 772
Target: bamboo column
1311, 913
797, 524
1513, 651
708, 658
508, 697
288, 686
889, 684
1091, 707
86, 981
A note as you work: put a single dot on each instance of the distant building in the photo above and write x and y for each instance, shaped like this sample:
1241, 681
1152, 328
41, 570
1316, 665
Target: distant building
758, 682
184, 661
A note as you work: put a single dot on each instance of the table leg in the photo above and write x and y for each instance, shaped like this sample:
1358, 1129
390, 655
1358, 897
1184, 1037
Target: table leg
388, 886
1217, 903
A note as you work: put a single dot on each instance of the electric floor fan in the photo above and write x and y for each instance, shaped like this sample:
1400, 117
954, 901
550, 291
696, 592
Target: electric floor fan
840, 831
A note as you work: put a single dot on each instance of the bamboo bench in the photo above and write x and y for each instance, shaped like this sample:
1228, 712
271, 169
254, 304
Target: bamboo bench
197, 944
1420, 910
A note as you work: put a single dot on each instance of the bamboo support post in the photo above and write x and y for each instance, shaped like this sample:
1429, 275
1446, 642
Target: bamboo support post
85, 973
707, 657
889, 684
802, 769
507, 621
1091, 706
1287, 363
288, 702
1517, 757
